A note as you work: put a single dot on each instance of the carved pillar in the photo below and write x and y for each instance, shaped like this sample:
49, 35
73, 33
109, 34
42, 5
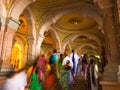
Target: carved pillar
38, 44
31, 50
8, 29
112, 40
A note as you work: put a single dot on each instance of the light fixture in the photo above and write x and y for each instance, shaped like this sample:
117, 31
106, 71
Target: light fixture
75, 20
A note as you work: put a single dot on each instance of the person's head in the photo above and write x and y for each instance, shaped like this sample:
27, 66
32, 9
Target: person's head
73, 51
67, 53
84, 59
61, 56
42, 55
92, 62
54, 51
36, 70
34, 64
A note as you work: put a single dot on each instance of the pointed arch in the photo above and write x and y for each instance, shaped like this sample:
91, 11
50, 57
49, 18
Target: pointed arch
31, 23
18, 7
74, 36
86, 11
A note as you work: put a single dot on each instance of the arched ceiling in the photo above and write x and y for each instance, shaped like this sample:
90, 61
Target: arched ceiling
75, 21
89, 36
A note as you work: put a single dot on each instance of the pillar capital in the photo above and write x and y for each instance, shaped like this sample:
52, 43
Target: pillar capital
13, 23
31, 39
104, 3
10, 22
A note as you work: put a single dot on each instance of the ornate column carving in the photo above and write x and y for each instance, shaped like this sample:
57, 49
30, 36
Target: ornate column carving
38, 44
31, 50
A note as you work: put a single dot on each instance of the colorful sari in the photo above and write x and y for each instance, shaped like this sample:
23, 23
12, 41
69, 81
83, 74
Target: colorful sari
29, 73
49, 81
65, 79
41, 65
53, 59
35, 84
59, 67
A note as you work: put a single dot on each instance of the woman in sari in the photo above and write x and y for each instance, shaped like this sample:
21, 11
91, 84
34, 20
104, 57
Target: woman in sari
30, 71
59, 65
35, 84
66, 78
92, 77
41, 64
51, 77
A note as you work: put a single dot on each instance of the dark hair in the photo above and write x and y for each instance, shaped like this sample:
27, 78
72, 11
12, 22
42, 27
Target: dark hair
73, 51
84, 59
92, 62
36, 70
54, 51
42, 55
61, 55
93, 70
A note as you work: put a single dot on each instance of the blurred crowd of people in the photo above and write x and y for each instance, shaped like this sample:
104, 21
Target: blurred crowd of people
57, 72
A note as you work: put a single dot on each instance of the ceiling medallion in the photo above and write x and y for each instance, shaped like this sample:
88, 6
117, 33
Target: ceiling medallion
75, 20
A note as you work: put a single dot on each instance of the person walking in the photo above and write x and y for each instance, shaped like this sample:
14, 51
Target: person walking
35, 84
66, 79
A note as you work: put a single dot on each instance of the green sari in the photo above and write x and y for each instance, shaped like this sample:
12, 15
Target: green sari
35, 84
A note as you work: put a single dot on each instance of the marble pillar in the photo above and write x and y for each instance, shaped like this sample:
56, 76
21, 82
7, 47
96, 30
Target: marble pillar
8, 29
31, 55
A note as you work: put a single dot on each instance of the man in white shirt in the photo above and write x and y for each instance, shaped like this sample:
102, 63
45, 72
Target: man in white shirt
66, 59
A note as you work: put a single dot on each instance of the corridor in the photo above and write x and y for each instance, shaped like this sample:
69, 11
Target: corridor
31, 28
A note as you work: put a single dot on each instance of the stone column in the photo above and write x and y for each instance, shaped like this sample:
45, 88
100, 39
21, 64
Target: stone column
8, 29
111, 22
31, 50
38, 44
112, 38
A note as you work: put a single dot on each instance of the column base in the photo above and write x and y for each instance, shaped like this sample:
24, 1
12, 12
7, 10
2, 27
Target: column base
6, 70
110, 78
110, 73
107, 85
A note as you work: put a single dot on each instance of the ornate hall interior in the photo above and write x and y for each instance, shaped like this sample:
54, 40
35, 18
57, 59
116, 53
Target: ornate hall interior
30, 28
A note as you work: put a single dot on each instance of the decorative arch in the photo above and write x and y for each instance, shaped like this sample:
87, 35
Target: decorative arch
54, 35
88, 11
74, 36
31, 23
18, 7
89, 51
57, 38
87, 44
